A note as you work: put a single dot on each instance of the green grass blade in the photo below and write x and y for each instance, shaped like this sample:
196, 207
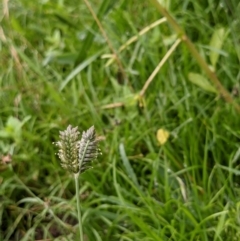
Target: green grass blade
128, 166
105, 6
79, 68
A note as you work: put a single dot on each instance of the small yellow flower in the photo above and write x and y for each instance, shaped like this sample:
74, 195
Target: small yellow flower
162, 136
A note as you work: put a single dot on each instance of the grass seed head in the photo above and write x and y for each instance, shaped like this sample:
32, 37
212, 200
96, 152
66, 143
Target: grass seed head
68, 149
88, 149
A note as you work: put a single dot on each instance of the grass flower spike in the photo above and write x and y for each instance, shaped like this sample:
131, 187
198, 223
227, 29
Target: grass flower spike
68, 149
88, 149
76, 156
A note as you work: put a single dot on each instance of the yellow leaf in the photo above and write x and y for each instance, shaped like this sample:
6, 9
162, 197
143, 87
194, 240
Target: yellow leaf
162, 136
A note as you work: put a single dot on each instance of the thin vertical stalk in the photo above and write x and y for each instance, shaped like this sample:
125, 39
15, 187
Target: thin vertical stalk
159, 66
110, 45
78, 207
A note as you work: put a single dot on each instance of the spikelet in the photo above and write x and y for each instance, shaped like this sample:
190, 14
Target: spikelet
68, 149
76, 155
88, 149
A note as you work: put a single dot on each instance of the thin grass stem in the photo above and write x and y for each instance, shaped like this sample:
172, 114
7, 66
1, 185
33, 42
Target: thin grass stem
110, 45
159, 66
133, 39
78, 207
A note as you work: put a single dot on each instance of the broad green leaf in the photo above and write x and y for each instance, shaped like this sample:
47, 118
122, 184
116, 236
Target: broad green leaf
13, 128
216, 45
201, 82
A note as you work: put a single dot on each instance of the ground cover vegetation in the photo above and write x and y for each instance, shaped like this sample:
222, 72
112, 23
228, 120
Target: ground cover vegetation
160, 83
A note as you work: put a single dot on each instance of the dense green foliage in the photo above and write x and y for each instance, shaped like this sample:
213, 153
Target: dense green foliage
53, 73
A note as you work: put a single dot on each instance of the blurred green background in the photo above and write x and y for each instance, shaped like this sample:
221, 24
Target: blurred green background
57, 67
